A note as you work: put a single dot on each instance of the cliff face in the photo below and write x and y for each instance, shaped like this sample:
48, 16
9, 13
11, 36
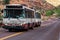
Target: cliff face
33, 3
54, 2
1, 6
20, 2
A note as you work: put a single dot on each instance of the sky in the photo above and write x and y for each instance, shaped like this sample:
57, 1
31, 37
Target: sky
54, 2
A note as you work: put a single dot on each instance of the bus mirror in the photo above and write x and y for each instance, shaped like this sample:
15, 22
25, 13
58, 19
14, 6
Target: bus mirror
1, 11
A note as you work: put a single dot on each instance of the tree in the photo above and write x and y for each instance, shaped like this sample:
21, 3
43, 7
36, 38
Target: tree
6, 1
57, 11
49, 12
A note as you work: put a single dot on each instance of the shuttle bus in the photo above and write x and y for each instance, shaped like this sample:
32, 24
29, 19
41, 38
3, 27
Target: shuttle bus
17, 17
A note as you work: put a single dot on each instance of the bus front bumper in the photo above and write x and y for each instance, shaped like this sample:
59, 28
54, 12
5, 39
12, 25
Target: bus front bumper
13, 27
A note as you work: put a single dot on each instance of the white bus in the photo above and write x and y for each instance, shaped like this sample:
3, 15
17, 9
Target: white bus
17, 17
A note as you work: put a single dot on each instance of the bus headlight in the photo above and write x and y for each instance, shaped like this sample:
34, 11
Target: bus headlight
6, 24
23, 23
20, 24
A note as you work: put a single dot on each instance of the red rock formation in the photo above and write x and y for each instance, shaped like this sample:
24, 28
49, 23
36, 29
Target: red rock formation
32, 3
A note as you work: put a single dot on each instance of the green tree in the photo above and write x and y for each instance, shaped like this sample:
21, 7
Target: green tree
1, 15
49, 12
6, 1
57, 11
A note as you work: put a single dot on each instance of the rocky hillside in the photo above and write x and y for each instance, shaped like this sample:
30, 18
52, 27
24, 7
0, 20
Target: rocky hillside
54, 2
33, 3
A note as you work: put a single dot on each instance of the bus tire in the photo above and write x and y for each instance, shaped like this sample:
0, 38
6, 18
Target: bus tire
10, 30
25, 29
40, 24
31, 28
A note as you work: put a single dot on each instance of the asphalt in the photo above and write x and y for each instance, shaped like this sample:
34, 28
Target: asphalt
49, 33
59, 36
49, 30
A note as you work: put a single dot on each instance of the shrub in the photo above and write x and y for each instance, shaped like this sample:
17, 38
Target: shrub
57, 10
6, 1
49, 12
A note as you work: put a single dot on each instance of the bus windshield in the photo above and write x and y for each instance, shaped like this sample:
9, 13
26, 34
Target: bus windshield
13, 13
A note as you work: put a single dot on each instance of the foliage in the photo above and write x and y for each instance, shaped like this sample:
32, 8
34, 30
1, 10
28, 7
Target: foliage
57, 10
6, 1
1, 17
49, 12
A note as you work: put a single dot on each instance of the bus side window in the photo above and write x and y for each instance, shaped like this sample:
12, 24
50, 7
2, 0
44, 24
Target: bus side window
29, 13
38, 15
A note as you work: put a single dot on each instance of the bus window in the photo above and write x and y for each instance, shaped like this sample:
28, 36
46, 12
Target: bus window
29, 13
19, 13
13, 13
37, 15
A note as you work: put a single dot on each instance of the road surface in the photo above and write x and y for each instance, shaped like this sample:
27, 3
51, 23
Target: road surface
49, 30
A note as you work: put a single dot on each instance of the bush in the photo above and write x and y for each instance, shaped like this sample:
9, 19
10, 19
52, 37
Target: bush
57, 10
6, 1
49, 12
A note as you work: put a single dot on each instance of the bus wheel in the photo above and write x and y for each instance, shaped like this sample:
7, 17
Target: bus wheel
36, 25
10, 30
31, 28
26, 29
40, 24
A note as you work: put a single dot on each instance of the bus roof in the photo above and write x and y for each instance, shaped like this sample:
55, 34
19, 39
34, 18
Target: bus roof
28, 8
13, 4
20, 5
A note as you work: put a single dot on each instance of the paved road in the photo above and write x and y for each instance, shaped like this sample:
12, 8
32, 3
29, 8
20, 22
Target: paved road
48, 32
59, 36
